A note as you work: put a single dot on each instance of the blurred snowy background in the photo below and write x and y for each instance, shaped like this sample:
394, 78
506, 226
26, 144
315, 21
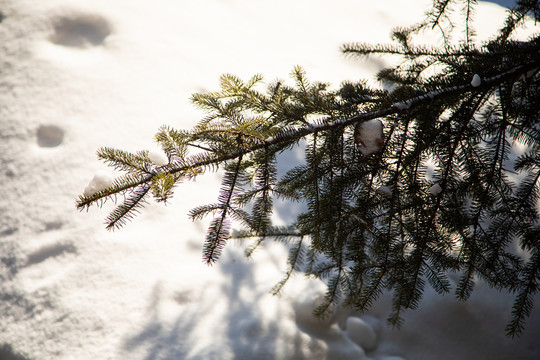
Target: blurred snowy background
78, 75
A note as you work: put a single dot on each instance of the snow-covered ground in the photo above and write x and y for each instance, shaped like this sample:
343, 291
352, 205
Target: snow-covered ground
77, 75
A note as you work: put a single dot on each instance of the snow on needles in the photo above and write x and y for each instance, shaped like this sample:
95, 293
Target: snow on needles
369, 136
435, 189
101, 181
158, 157
476, 80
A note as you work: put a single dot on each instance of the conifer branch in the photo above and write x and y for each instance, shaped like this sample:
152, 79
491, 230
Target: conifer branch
294, 261
517, 15
428, 192
218, 232
293, 135
124, 161
127, 209
524, 303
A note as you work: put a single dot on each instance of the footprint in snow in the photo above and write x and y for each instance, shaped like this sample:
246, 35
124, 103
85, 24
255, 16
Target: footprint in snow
49, 251
80, 31
50, 136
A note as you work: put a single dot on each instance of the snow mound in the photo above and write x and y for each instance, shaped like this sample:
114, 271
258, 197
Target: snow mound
361, 333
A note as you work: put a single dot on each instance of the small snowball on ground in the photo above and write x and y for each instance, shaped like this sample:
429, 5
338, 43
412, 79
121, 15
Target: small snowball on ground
305, 301
100, 181
361, 333
305, 308
158, 157
476, 80
435, 189
369, 136
372, 321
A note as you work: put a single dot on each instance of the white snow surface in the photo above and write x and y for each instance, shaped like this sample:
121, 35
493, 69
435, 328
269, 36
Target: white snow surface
78, 75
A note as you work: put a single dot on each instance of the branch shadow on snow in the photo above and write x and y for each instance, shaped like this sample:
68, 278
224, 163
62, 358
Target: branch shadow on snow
7, 353
217, 321
228, 318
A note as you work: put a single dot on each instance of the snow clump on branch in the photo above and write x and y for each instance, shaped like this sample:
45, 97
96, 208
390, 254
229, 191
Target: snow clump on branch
101, 181
158, 157
369, 136
476, 80
435, 189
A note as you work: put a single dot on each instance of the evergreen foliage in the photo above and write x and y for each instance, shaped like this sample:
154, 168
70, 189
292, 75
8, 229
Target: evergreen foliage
442, 194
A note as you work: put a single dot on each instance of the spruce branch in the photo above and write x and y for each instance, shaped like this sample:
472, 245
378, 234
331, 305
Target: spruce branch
124, 161
432, 190
294, 261
218, 232
128, 208
524, 302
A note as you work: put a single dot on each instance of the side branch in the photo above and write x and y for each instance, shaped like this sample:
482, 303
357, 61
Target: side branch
291, 135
